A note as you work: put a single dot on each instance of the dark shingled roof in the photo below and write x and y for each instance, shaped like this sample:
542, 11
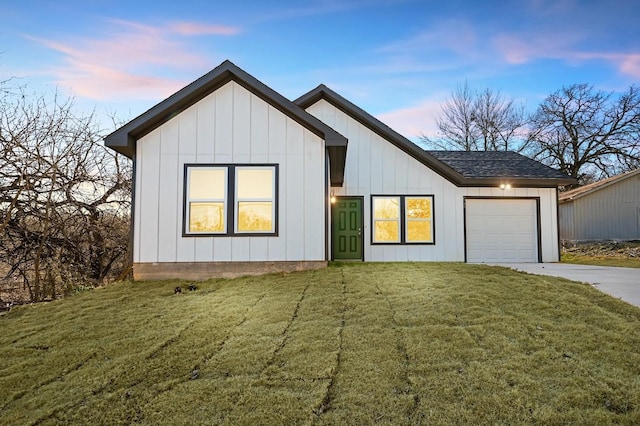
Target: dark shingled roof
500, 164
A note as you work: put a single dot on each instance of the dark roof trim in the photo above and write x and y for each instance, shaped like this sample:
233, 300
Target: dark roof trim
124, 139
595, 186
429, 160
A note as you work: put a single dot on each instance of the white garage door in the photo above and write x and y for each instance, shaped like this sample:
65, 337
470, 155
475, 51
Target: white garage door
501, 230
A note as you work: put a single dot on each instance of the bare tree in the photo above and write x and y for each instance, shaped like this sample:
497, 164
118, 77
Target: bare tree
479, 121
64, 198
587, 134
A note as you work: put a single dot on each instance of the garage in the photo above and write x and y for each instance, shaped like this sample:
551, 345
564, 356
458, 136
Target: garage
502, 230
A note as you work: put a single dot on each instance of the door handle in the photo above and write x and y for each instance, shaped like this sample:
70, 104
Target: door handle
359, 232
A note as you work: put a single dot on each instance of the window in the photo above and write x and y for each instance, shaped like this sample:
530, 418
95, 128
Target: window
418, 216
254, 197
207, 200
404, 219
386, 220
230, 200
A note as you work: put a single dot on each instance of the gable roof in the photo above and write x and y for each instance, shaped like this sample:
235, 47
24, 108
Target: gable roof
460, 168
124, 139
595, 186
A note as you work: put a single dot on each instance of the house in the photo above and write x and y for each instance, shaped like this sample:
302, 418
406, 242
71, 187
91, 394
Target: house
231, 178
605, 210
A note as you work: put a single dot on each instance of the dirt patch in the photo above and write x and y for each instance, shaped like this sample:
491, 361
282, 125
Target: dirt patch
610, 249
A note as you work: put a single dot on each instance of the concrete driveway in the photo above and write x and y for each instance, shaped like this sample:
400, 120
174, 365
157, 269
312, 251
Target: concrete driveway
622, 283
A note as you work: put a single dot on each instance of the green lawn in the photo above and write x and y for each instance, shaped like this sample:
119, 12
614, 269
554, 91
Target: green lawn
582, 259
417, 343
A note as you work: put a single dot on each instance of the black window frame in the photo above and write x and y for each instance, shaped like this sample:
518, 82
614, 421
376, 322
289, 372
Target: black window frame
231, 200
403, 220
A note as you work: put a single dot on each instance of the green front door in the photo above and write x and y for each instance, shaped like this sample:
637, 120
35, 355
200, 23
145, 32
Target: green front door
346, 228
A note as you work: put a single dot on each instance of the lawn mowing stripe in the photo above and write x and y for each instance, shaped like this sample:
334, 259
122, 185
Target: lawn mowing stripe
285, 333
371, 367
325, 403
402, 349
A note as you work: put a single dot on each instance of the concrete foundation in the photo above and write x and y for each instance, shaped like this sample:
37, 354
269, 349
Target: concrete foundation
206, 270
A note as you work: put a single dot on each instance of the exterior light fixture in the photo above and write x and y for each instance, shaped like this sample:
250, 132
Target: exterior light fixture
504, 186
333, 197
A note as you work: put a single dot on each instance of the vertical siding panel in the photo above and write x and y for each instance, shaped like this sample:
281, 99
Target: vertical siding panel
203, 249
259, 248
188, 142
295, 185
168, 191
314, 197
388, 166
205, 134
376, 165
362, 151
222, 249
352, 167
277, 134
400, 178
295, 141
241, 249
413, 179
223, 122
149, 197
241, 124
139, 173
259, 130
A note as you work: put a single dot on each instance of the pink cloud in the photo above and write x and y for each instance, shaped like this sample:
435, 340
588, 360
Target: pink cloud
515, 50
630, 64
129, 61
105, 83
627, 63
415, 121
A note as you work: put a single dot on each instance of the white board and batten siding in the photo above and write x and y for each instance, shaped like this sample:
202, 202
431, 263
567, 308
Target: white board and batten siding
375, 166
229, 126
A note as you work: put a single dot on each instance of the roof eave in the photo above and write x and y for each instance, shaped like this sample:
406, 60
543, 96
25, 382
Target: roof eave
322, 92
577, 193
124, 139
517, 182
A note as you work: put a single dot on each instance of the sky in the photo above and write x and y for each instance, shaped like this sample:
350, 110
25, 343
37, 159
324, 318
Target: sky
399, 60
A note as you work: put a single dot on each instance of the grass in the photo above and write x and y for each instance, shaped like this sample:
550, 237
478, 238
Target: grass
361, 344
582, 259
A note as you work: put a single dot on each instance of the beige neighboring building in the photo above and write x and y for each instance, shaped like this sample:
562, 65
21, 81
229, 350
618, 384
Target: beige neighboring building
607, 210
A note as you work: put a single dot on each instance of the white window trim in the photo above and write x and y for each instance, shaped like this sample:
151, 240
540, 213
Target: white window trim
238, 200
206, 200
407, 219
397, 221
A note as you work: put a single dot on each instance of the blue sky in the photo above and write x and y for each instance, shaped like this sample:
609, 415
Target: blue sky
396, 59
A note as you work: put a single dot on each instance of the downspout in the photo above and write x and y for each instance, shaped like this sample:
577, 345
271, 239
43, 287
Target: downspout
558, 224
327, 211
133, 215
